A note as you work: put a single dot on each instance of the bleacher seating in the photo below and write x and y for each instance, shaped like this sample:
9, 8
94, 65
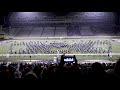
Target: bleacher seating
60, 31
12, 32
24, 32
104, 30
36, 32
86, 31
48, 32
108, 30
73, 31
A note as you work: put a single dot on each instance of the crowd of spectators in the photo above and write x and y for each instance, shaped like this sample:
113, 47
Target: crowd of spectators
56, 71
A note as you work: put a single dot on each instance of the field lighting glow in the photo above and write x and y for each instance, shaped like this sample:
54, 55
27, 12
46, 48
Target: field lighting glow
27, 14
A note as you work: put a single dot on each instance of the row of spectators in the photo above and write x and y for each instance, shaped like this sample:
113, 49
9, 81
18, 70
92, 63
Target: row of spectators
55, 71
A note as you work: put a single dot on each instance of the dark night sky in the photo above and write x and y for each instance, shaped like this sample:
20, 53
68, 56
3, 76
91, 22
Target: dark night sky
57, 5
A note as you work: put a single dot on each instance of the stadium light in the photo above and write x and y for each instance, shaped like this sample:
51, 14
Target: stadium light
28, 13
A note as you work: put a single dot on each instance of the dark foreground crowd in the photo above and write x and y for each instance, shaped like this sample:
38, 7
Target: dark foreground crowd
66, 72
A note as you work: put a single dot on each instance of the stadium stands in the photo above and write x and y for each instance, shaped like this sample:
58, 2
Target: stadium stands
74, 24
24, 32
86, 31
73, 31
105, 30
36, 32
60, 32
13, 32
48, 32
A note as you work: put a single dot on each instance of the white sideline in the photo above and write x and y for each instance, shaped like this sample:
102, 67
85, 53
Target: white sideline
106, 54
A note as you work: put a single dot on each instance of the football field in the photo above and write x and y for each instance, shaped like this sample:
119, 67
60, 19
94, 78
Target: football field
85, 48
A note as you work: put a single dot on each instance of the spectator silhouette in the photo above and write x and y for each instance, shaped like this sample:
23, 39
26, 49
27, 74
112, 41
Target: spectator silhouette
97, 72
117, 69
31, 75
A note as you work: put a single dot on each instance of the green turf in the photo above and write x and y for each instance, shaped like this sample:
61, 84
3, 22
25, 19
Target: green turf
52, 57
4, 49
